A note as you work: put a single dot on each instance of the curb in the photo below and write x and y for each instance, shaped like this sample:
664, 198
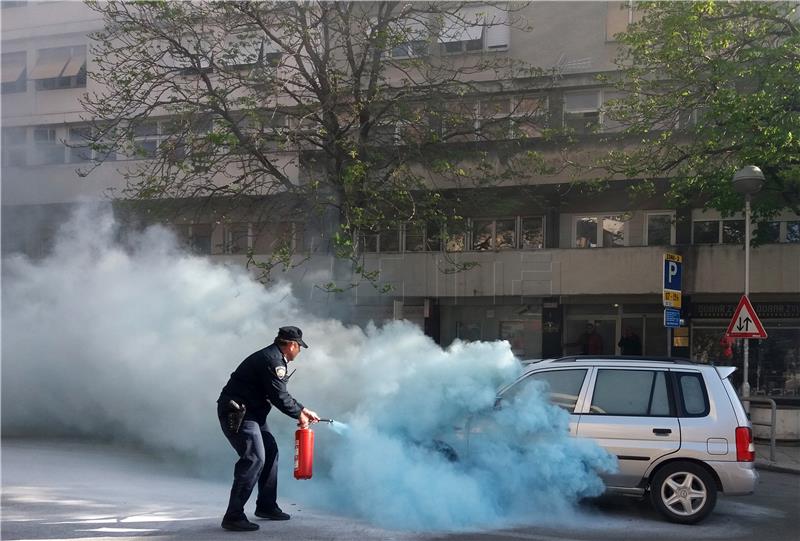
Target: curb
771, 466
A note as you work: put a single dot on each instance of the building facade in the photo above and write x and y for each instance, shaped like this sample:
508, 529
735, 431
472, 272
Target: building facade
544, 258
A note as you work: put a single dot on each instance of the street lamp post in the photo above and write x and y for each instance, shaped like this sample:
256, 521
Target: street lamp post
747, 181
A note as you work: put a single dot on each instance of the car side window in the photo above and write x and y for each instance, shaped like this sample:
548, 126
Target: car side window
694, 400
564, 386
631, 392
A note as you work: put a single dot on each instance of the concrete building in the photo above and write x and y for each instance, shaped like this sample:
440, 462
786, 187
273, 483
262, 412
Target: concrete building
545, 260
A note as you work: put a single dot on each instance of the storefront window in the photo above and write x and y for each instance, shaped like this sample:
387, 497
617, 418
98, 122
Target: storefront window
774, 363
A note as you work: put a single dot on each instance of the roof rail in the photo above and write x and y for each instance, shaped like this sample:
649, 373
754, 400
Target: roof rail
674, 360
526, 362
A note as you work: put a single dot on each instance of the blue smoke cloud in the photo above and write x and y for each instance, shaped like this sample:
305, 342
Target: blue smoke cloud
142, 338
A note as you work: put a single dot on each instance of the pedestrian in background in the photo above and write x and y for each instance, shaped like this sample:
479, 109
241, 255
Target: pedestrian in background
591, 342
630, 343
256, 385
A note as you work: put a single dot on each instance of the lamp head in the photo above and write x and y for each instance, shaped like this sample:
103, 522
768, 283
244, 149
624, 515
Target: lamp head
748, 180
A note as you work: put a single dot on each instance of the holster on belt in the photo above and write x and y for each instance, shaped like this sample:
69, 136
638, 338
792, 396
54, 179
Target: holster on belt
234, 416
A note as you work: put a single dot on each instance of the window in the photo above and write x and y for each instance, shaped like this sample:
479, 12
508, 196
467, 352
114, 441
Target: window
237, 238
247, 49
586, 232
494, 117
475, 28
390, 240
62, 67
793, 231
584, 110
727, 231
705, 232
613, 231
733, 231
194, 55
631, 392
270, 237
528, 116
564, 386
694, 400
78, 150
387, 240
196, 237
601, 231
423, 238
48, 149
15, 148
768, 232
14, 76
532, 233
456, 238
410, 38
146, 140
494, 234
659, 229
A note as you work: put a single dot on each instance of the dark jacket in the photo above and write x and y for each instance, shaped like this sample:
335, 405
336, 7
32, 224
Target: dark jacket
257, 384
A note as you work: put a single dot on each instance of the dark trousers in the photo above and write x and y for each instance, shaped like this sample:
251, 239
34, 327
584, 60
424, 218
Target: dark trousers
258, 463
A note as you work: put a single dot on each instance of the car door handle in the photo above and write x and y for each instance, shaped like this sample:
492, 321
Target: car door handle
662, 431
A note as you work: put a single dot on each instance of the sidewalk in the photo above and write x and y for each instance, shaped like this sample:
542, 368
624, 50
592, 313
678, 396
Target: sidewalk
787, 457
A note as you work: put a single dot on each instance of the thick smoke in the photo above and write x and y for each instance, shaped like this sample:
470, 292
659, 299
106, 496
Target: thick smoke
134, 344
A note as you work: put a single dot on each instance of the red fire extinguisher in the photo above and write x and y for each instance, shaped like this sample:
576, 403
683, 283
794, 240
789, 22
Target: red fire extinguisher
303, 453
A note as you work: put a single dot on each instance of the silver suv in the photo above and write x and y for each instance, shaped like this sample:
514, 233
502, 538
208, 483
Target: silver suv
677, 428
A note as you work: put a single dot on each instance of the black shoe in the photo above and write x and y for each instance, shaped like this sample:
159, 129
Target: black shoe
273, 514
241, 525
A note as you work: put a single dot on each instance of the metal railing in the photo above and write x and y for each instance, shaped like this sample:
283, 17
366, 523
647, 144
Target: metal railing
771, 424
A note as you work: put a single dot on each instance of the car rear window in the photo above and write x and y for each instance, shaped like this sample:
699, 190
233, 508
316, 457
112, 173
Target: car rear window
631, 392
694, 399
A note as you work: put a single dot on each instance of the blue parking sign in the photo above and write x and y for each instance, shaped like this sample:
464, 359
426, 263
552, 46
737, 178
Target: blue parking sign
672, 272
671, 295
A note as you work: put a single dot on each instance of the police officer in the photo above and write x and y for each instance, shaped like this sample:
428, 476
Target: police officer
256, 385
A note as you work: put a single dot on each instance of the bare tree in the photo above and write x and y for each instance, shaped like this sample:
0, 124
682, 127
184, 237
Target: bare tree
354, 116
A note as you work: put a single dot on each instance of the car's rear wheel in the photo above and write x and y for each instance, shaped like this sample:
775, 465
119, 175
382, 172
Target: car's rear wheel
683, 492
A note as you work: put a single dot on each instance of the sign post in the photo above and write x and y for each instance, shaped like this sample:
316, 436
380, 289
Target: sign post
671, 294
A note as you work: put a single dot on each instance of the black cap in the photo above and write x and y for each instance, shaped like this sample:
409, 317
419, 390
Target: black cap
292, 334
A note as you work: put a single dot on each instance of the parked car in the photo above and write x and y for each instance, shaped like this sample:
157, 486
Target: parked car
678, 429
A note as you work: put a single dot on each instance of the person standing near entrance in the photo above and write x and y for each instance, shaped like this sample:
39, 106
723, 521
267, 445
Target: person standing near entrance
256, 385
630, 344
591, 342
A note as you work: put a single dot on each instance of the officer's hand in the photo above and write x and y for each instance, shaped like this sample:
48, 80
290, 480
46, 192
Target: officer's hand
307, 416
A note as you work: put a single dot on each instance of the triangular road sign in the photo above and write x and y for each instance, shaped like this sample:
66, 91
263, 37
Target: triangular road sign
745, 322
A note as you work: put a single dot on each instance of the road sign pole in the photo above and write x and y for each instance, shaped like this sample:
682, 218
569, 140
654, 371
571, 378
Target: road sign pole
669, 341
746, 353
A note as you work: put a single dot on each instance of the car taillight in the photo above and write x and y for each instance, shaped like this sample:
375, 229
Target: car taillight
745, 450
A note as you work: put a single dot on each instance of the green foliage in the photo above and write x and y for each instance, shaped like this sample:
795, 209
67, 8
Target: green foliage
711, 87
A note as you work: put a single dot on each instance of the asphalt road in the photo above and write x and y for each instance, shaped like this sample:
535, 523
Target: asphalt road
54, 491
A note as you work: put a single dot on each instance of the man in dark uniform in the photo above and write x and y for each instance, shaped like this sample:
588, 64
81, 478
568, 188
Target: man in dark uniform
256, 385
